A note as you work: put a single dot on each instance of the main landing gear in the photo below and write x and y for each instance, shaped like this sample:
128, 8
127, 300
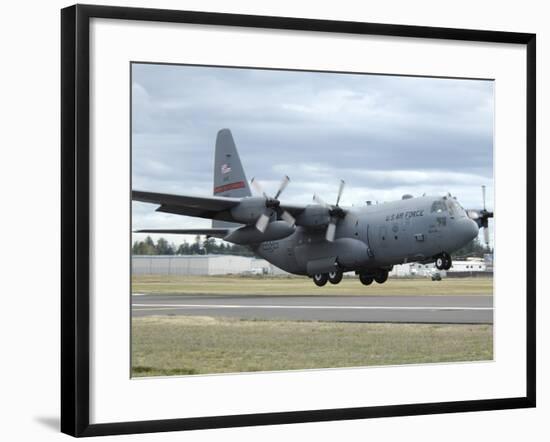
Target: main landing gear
380, 276
443, 261
365, 278
334, 277
320, 279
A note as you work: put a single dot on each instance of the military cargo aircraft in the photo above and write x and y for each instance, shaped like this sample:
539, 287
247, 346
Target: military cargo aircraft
323, 240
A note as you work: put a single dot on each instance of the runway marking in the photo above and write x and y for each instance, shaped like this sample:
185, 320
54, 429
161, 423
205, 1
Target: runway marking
141, 307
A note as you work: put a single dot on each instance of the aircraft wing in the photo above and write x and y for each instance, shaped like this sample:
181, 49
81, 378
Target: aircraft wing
293, 209
212, 207
215, 232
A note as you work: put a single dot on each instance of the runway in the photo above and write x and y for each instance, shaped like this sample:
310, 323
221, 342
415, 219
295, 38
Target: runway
464, 309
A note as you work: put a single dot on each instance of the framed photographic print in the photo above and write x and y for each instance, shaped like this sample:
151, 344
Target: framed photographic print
273, 220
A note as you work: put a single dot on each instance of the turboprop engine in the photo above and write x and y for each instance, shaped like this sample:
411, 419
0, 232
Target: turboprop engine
314, 217
249, 209
275, 230
263, 210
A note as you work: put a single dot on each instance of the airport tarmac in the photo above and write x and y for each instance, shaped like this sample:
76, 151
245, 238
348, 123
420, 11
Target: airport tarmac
449, 309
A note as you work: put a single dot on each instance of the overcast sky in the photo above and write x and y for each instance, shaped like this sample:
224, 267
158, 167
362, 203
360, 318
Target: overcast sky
384, 135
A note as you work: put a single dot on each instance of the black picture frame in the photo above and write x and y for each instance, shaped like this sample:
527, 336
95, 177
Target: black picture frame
75, 213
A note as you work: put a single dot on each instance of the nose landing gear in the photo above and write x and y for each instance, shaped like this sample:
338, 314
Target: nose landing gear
443, 261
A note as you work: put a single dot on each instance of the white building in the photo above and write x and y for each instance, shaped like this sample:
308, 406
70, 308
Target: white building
412, 269
470, 265
201, 265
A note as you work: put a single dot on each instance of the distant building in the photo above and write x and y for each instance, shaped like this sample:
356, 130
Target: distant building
468, 267
412, 269
201, 265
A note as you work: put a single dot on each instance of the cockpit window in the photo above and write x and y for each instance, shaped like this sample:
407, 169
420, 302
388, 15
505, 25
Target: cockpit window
454, 207
438, 207
451, 207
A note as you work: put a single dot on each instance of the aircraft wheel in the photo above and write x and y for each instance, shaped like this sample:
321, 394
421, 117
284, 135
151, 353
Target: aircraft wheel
448, 262
381, 277
320, 279
335, 277
365, 279
440, 262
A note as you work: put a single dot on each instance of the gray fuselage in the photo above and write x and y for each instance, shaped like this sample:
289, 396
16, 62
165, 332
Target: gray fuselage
376, 237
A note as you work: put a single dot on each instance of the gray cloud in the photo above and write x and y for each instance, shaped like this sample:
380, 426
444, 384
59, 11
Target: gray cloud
385, 135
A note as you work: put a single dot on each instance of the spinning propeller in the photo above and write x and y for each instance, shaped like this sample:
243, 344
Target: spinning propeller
272, 205
481, 217
335, 212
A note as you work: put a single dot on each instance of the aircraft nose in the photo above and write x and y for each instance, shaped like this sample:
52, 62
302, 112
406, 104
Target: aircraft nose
470, 228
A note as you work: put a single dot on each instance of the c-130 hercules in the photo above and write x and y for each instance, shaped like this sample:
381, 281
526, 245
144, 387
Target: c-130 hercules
323, 240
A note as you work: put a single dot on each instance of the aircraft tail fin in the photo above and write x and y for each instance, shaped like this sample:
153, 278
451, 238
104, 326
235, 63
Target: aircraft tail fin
229, 177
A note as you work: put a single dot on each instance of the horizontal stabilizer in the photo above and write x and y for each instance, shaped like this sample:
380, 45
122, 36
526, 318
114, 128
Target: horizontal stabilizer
216, 233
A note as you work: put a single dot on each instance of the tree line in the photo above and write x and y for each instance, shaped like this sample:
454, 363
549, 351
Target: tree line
198, 247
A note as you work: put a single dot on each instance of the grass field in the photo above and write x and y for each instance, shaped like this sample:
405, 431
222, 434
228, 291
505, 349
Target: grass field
232, 285
180, 345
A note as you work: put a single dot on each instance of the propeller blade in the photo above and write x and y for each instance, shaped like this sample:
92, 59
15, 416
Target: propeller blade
257, 187
282, 187
331, 230
262, 222
271, 204
483, 193
288, 218
486, 235
340, 190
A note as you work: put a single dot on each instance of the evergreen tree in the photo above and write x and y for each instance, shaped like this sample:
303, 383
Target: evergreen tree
209, 245
183, 249
195, 248
146, 247
164, 248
